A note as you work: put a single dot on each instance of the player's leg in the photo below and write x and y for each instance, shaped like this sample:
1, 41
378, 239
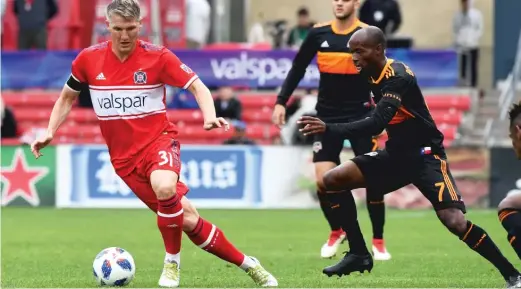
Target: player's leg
374, 200
509, 212
437, 184
210, 238
161, 167
376, 170
326, 155
170, 227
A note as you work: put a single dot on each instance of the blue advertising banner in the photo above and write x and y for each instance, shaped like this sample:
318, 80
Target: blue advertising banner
219, 174
255, 69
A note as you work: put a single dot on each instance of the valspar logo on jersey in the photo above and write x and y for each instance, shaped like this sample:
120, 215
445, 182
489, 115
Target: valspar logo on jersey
123, 102
263, 70
120, 101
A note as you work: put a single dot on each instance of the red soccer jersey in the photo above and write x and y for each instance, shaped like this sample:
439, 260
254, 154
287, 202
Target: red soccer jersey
129, 97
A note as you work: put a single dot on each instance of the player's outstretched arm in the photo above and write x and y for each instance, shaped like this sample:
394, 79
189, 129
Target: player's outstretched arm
306, 52
370, 126
391, 101
59, 113
205, 101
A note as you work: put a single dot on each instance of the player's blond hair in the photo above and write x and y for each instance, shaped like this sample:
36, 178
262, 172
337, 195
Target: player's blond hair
128, 9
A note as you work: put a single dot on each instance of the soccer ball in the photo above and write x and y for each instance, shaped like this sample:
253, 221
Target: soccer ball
114, 267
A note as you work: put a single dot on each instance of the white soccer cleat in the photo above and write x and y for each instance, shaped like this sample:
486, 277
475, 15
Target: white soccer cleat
170, 276
330, 248
379, 251
260, 276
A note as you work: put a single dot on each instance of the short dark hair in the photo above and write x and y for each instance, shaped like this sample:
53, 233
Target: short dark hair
303, 12
515, 113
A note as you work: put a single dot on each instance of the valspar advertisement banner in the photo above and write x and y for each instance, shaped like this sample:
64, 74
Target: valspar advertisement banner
217, 177
246, 177
290, 175
249, 68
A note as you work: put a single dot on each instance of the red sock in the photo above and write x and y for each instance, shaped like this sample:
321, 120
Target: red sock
210, 238
170, 223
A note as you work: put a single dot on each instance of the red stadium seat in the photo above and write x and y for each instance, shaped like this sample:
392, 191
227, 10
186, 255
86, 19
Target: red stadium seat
185, 116
9, 28
440, 102
79, 131
32, 114
37, 99
446, 117
83, 115
257, 115
197, 132
257, 101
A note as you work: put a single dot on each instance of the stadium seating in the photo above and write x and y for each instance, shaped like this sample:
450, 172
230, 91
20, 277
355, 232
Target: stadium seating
63, 30
32, 109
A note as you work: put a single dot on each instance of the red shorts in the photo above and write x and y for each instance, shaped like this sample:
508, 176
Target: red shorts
162, 154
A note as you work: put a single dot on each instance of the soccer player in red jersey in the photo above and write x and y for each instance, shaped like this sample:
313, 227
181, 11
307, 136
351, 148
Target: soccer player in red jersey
509, 210
126, 79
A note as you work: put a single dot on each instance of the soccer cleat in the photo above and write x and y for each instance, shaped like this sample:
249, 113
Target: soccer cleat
170, 276
514, 282
331, 246
260, 276
379, 251
349, 264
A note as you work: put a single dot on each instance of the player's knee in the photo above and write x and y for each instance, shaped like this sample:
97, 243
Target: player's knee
165, 191
506, 203
333, 181
321, 188
190, 215
453, 219
329, 181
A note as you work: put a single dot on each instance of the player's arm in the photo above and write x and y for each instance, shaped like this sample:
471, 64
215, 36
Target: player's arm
62, 107
60, 111
178, 74
373, 125
204, 99
305, 54
383, 114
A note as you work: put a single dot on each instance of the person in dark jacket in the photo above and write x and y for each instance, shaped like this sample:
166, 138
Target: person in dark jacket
384, 14
239, 136
33, 16
300, 31
227, 105
7, 122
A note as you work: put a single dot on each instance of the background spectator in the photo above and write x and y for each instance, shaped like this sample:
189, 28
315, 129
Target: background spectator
239, 136
277, 30
33, 16
227, 105
298, 33
384, 14
3, 5
197, 23
257, 34
7, 122
180, 98
468, 29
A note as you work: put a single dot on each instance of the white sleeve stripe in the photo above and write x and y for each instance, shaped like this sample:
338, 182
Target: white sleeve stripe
71, 88
75, 78
189, 82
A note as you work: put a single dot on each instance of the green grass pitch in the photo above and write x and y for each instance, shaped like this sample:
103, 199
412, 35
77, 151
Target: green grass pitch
55, 248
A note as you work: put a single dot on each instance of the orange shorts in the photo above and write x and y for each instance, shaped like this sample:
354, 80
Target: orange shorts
163, 154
